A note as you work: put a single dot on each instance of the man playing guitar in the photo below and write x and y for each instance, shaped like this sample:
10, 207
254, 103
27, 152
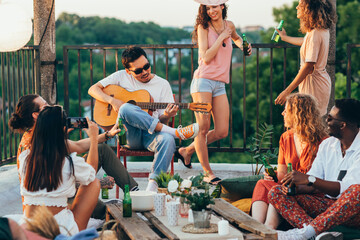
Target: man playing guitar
143, 130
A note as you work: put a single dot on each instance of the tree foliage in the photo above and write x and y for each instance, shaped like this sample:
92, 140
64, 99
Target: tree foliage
75, 30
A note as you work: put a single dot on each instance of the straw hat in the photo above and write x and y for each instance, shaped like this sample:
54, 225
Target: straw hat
211, 2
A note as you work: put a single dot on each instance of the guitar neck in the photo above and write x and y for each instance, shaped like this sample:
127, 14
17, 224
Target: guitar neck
159, 105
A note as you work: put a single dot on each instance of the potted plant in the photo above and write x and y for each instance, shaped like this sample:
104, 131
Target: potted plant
198, 196
260, 148
163, 180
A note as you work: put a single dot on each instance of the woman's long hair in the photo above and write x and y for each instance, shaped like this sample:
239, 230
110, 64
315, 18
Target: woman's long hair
22, 118
43, 167
203, 19
306, 120
318, 14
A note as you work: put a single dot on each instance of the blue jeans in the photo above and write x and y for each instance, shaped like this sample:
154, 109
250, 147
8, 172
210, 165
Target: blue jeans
141, 135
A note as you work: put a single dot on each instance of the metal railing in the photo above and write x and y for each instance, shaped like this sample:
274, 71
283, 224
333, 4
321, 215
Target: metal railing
85, 54
19, 75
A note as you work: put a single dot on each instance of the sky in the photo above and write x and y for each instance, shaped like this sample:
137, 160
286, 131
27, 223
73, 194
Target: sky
177, 13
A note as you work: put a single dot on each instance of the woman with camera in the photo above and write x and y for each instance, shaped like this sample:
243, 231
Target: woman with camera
23, 121
48, 172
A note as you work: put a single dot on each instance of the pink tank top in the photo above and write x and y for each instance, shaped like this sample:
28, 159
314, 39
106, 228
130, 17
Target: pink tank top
219, 68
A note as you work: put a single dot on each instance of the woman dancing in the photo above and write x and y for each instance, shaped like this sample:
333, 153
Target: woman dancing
213, 35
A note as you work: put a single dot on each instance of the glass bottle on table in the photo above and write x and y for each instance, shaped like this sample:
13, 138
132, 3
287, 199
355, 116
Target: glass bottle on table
245, 45
127, 206
105, 191
275, 37
122, 134
292, 189
269, 169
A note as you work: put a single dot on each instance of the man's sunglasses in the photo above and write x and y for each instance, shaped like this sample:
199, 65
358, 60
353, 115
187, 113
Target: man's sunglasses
330, 118
140, 70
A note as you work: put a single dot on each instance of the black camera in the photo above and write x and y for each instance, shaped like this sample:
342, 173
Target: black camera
76, 122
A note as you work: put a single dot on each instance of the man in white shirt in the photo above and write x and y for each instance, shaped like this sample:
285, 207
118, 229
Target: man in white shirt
328, 195
143, 130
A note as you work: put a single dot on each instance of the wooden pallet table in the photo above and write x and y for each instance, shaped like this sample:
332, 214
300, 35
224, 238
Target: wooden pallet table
146, 225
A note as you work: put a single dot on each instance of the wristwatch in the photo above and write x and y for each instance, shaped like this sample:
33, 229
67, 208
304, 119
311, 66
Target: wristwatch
311, 180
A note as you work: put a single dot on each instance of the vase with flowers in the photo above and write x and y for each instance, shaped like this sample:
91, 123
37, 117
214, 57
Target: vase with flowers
197, 196
183, 186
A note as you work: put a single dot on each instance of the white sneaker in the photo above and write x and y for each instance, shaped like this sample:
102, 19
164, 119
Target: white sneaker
152, 186
293, 234
330, 236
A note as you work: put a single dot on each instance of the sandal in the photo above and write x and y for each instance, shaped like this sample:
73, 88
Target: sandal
179, 156
215, 181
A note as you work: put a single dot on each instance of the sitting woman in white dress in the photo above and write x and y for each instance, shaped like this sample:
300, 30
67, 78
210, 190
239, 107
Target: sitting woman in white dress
48, 173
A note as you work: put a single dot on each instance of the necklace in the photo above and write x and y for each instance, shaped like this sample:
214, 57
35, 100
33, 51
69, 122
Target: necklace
223, 44
343, 149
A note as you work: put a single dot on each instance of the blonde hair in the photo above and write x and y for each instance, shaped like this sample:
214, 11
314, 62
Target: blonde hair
43, 223
307, 121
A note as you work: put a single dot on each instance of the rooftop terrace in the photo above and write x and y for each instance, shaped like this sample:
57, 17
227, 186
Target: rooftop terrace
10, 188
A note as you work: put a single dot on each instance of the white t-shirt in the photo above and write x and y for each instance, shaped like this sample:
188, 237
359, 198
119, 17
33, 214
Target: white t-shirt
83, 173
329, 162
158, 87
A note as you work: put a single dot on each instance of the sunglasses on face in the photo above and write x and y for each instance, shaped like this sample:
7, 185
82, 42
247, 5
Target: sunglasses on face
330, 118
140, 70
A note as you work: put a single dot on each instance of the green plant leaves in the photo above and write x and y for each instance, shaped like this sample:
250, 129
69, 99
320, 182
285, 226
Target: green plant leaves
164, 178
260, 142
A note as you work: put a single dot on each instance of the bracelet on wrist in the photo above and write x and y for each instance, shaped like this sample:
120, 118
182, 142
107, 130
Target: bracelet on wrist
107, 137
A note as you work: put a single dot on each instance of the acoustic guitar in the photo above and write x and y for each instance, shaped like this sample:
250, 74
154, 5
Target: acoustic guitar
105, 116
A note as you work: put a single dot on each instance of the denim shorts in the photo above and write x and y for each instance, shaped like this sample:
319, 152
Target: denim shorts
205, 85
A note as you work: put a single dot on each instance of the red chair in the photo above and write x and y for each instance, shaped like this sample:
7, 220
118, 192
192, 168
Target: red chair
125, 152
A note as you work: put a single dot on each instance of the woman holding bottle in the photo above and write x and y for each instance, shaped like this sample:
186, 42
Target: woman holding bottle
316, 18
213, 35
298, 146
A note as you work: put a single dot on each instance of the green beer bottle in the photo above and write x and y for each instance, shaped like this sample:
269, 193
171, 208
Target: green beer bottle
127, 208
245, 45
275, 37
269, 170
292, 189
122, 134
105, 191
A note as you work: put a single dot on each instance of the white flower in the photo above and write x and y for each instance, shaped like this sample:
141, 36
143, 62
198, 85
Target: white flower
173, 186
185, 184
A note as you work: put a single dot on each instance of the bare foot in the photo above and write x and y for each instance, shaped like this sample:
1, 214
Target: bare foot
187, 156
